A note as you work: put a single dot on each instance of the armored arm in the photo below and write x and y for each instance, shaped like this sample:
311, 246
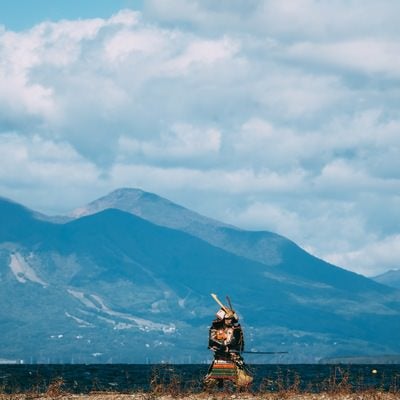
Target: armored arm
237, 342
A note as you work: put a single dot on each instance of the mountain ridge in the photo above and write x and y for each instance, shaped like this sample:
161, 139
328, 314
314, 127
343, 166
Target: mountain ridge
389, 278
113, 285
127, 199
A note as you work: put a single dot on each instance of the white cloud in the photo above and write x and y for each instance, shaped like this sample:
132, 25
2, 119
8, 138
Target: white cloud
239, 181
284, 19
183, 141
267, 114
322, 19
21, 53
369, 56
340, 175
127, 42
298, 94
202, 53
125, 18
43, 174
373, 258
17, 94
261, 143
267, 216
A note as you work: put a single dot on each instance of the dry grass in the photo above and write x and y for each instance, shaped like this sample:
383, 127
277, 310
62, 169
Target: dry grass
367, 395
172, 391
285, 387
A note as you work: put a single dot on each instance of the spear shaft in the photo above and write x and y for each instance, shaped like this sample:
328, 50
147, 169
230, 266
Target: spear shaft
264, 352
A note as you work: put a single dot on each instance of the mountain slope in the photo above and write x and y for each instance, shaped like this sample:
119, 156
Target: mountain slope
390, 278
113, 286
265, 247
163, 212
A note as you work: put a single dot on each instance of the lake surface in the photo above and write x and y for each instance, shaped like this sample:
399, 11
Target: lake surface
133, 377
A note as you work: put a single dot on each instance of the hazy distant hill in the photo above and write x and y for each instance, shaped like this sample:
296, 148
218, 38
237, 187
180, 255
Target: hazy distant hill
389, 278
381, 359
112, 286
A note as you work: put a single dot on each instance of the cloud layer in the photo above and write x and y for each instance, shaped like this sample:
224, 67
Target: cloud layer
272, 115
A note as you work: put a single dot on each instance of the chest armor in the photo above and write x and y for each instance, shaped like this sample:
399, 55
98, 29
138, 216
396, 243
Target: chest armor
225, 335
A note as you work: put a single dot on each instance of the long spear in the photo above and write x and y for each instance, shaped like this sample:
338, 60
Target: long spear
265, 352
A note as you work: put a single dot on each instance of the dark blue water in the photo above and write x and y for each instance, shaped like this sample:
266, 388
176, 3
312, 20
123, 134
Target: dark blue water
128, 378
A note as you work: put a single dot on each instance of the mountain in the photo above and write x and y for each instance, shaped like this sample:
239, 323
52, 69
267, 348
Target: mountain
111, 286
389, 278
262, 246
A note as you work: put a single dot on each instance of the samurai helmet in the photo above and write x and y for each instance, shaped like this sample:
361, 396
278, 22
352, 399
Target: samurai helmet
225, 312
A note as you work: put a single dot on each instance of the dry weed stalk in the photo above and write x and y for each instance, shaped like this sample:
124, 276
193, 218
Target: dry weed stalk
55, 390
166, 384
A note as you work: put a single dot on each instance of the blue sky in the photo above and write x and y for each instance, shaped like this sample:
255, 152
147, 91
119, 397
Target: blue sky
271, 115
23, 14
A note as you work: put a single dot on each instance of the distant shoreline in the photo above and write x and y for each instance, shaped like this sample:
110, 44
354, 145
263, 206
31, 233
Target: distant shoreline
387, 359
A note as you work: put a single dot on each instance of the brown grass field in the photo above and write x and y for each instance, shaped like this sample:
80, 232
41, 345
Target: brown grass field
334, 389
367, 395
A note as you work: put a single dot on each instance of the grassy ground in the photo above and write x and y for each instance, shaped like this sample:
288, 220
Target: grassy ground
333, 389
368, 395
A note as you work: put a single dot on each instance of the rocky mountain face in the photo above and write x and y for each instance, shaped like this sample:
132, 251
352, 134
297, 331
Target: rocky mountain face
262, 246
390, 278
129, 278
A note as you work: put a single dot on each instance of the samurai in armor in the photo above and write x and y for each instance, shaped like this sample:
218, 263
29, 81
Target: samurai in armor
226, 341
